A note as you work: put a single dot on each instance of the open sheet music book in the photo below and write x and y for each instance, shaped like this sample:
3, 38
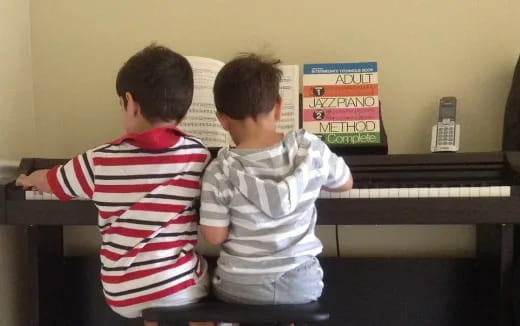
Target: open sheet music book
201, 120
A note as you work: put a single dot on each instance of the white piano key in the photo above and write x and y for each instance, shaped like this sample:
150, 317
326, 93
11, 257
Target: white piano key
323, 194
413, 193
29, 195
335, 194
444, 192
46, 196
403, 193
424, 192
383, 192
464, 192
454, 192
354, 193
433, 192
474, 191
373, 193
363, 193
36, 195
494, 191
505, 191
393, 193
484, 191
344, 194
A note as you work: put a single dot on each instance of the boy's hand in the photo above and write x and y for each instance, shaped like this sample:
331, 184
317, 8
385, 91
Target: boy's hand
36, 180
24, 181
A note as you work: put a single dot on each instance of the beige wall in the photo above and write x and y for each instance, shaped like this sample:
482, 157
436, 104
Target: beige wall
17, 139
425, 50
17, 124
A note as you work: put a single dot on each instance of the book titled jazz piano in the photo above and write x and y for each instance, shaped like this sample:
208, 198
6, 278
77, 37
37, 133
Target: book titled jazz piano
341, 103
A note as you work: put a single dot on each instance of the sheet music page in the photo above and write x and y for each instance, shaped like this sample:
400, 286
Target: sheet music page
201, 120
289, 92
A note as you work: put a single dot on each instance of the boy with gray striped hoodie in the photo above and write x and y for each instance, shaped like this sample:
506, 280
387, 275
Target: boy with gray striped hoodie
258, 198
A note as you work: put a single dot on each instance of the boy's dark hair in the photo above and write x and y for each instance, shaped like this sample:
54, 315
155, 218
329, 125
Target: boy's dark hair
160, 80
247, 86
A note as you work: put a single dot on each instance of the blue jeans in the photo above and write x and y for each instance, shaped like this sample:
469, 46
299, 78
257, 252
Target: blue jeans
302, 284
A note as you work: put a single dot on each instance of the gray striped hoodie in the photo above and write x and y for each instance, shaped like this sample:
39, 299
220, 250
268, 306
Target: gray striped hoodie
266, 199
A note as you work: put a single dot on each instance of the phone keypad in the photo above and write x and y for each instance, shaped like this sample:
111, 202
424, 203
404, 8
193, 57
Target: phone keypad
446, 135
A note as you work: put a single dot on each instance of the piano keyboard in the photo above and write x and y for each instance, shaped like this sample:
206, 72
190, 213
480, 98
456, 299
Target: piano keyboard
420, 192
36, 195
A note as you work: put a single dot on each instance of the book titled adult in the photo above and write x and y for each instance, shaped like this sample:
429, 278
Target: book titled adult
341, 103
201, 120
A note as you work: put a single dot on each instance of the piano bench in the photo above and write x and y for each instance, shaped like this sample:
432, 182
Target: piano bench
218, 311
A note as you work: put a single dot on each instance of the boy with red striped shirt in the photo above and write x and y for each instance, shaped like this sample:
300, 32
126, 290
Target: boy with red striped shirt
145, 186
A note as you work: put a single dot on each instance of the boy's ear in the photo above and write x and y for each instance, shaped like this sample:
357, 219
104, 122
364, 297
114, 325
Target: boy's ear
132, 107
224, 120
278, 109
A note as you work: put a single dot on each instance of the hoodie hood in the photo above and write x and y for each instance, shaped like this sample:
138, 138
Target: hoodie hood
275, 190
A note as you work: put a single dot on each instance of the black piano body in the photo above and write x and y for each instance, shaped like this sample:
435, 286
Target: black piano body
495, 218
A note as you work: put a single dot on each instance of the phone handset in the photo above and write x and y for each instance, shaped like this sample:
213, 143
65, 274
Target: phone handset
446, 133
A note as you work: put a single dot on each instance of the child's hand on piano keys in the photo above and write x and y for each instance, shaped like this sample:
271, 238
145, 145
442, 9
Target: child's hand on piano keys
24, 181
36, 181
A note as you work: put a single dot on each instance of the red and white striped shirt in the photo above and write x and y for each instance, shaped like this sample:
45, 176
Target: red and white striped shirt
145, 187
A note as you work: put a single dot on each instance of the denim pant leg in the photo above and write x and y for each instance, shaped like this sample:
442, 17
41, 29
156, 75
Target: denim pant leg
261, 294
303, 284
